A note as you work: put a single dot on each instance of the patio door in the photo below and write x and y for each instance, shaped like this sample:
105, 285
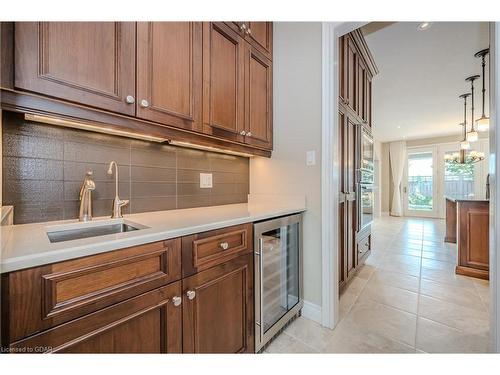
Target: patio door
420, 187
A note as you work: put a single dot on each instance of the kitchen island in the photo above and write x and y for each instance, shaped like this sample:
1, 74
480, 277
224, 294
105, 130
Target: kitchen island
467, 224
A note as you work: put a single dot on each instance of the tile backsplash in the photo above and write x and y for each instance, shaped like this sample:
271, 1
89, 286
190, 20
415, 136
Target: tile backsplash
44, 167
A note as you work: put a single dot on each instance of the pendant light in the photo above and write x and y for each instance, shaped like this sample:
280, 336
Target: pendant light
464, 144
472, 136
464, 157
483, 123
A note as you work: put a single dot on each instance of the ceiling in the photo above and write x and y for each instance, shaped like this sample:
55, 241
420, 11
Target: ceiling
421, 75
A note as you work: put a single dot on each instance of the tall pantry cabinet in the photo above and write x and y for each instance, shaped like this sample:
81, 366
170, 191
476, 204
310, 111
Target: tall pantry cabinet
356, 71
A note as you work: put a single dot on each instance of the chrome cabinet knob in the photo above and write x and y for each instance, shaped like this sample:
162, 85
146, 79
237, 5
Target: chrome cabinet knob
243, 27
177, 300
130, 99
249, 134
224, 245
144, 103
191, 294
243, 132
249, 31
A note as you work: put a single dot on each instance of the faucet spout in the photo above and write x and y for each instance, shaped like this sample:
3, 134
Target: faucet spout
117, 202
85, 213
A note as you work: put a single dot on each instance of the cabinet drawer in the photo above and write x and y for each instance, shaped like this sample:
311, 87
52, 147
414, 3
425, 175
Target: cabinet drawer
149, 323
42, 297
204, 250
363, 246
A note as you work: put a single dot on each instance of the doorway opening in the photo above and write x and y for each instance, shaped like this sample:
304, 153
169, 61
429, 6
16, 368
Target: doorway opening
418, 113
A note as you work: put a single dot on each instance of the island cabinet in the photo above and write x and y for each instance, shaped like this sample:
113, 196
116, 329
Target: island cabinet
192, 294
210, 80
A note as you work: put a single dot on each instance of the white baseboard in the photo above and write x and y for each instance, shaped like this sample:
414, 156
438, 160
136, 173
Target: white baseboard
311, 311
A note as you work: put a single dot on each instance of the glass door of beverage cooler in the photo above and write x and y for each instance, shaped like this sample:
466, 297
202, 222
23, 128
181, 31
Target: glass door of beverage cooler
278, 274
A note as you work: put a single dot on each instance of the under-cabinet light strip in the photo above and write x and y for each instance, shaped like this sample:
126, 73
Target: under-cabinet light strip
209, 148
91, 127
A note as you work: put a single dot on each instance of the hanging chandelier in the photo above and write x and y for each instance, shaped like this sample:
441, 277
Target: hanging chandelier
483, 123
463, 157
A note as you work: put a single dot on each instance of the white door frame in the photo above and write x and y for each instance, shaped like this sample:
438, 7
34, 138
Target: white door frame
494, 169
331, 31
330, 174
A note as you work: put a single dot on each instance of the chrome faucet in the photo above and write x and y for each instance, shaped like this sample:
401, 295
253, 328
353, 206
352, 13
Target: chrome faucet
117, 202
88, 185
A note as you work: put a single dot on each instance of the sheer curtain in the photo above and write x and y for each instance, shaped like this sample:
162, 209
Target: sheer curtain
397, 154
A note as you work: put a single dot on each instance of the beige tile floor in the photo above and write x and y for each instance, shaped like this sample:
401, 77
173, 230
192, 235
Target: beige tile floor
406, 299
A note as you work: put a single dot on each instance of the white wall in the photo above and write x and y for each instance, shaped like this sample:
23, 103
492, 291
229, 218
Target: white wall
297, 129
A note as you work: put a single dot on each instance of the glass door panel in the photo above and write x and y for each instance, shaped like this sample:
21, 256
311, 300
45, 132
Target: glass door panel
280, 272
420, 190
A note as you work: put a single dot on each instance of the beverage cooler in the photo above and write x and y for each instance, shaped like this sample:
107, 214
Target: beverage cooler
278, 275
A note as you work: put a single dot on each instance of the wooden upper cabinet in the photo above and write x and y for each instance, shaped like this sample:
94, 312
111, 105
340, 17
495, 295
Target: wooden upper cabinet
223, 81
91, 63
260, 36
218, 309
258, 100
257, 34
169, 73
149, 323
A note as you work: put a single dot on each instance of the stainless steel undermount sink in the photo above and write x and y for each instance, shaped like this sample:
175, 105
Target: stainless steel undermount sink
72, 232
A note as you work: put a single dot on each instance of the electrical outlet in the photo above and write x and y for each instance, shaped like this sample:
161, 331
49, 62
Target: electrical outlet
310, 158
206, 180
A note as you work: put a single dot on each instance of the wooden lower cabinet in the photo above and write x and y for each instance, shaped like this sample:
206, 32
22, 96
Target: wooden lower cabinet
218, 309
149, 323
473, 223
133, 300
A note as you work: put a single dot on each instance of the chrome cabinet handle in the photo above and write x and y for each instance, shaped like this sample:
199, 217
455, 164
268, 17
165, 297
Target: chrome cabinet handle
249, 134
191, 294
243, 27
144, 103
130, 99
243, 132
249, 31
177, 300
224, 245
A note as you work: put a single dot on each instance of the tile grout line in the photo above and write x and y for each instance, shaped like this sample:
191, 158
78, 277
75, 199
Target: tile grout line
419, 290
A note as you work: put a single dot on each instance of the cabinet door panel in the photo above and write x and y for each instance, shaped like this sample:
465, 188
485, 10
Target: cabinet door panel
149, 323
223, 80
261, 37
351, 75
259, 100
91, 63
361, 90
343, 218
219, 319
369, 99
342, 68
169, 73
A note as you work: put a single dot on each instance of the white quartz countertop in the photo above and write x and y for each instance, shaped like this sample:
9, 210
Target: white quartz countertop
27, 245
